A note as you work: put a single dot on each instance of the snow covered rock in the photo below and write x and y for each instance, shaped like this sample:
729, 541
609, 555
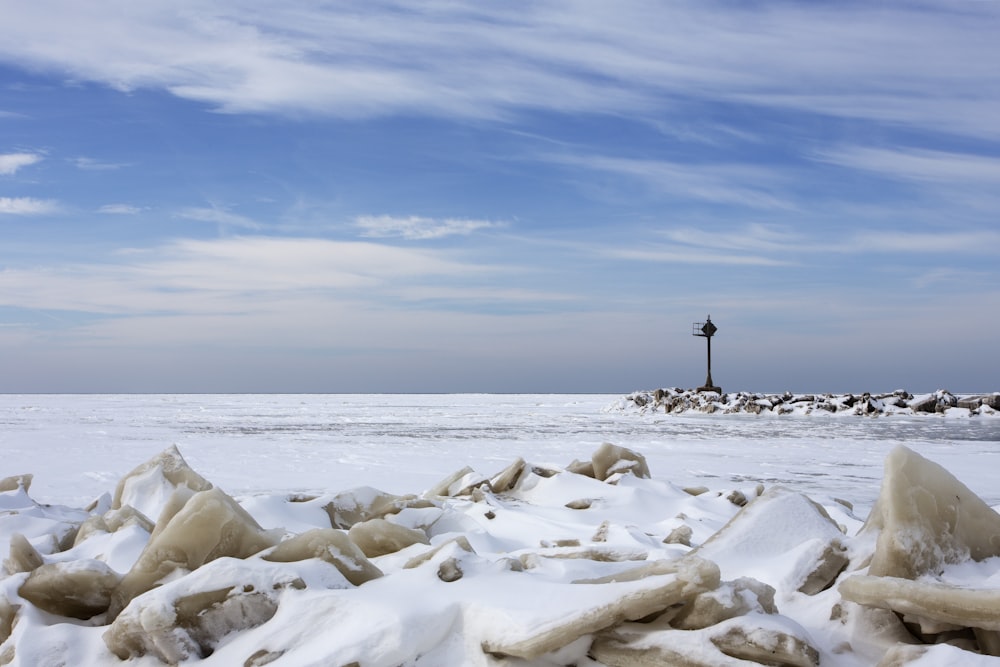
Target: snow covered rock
677, 401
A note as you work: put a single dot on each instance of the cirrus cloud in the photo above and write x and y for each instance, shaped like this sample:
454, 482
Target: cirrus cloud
418, 228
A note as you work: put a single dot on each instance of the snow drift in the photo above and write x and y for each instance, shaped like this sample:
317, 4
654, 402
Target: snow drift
595, 563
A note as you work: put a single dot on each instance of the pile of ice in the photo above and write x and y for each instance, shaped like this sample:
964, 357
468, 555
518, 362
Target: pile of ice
590, 564
676, 401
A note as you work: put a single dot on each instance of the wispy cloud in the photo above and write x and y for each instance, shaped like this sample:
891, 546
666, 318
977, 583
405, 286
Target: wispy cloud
27, 206
468, 59
418, 228
219, 216
11, 162
92, 164
233, 275
674, 255
984, 242
919, 165
743, 184
120, 209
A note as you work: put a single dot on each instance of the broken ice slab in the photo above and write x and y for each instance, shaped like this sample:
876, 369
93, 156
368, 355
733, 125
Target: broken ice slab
926, 518
610, 459
75, 589
737, 642
937, 601
378, 537
187, 617
604, 603
209, 525
780, 526
363, 503
149, 486
330, 545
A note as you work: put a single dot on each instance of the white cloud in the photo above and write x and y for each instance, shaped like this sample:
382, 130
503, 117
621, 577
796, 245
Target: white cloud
11, 162
418, 228
119, 209
230, 276
27, 206
922, 64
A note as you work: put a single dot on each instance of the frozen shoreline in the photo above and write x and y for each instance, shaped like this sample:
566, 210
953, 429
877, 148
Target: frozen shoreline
596, 563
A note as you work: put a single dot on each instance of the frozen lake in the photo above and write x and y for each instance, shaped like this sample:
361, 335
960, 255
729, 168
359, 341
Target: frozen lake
78, 446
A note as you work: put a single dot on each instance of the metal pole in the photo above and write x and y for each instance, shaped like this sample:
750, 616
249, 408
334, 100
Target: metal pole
708, 382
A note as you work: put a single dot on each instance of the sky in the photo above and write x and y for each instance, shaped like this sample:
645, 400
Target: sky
290, 196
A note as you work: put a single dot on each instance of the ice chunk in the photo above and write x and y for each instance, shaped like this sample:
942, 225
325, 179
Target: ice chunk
729, 600
330, 545
780, 526
459, 483
610, 459
149, 486
16, 482
767, 646
187, 617
638, 594
378, 537
938, 601
77, 589
738, 642
460, 542
577, 467
7, 614
682, 534
904, 655
926, 518
111, 522
364, 503
507, 478
23, 556
210, 525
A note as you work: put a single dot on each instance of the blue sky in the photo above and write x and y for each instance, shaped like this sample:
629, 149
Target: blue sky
237, 196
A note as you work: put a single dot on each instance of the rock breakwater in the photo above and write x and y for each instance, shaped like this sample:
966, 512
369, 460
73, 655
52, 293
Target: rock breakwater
942, 402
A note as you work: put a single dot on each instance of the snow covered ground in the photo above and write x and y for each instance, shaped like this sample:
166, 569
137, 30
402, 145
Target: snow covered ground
474, 576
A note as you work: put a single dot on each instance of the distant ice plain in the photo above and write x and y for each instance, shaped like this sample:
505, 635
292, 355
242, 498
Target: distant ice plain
78, 446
